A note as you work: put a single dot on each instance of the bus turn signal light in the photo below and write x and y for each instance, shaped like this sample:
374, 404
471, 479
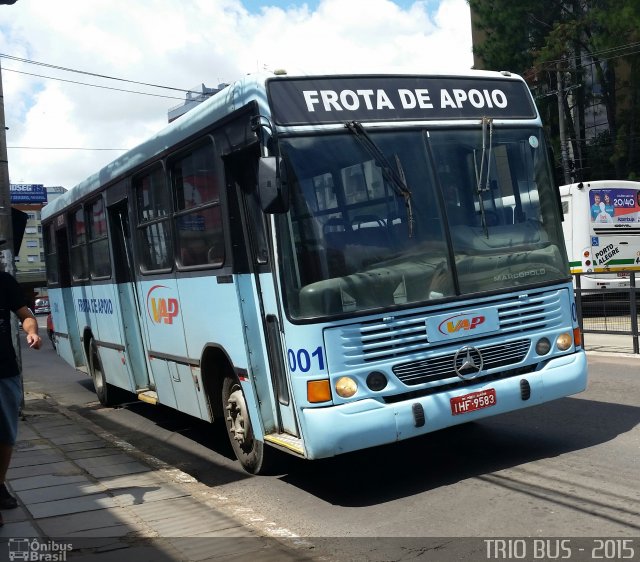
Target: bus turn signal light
318, 391
577, 337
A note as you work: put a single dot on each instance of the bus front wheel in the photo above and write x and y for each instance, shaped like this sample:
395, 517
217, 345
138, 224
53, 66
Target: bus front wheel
249, 451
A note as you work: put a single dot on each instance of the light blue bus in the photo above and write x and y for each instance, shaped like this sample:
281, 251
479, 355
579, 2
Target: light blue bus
325, 263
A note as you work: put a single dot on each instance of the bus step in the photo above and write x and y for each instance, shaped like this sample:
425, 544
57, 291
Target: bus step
149, 396
286, 441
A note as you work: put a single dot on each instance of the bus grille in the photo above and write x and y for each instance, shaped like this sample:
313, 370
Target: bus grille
405, 336
440, 368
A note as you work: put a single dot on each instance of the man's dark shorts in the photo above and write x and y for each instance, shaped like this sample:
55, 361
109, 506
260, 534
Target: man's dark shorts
10, 400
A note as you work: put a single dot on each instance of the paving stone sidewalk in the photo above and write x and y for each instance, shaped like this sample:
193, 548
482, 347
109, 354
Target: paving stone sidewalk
83, 496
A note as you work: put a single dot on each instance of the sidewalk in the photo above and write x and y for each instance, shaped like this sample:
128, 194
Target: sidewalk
615, 344
84, 494
87, 494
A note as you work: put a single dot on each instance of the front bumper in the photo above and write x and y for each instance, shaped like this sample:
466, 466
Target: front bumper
368, 423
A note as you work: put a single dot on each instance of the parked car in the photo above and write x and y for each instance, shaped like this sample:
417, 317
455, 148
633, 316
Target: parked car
41, 306
50, 330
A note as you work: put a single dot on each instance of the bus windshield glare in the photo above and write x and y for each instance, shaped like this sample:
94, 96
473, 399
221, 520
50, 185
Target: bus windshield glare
388, 219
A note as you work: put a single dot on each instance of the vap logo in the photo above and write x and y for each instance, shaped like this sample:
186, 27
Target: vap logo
458, 323
160, 306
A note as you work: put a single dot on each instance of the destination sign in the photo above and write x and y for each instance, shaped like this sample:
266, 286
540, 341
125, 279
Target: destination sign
298, 101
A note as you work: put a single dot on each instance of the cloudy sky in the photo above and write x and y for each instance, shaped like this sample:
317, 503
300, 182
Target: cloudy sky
56, 125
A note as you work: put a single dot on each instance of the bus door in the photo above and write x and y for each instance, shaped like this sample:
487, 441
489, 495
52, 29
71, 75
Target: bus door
67, 331
128, 305
567, 226
174, 373
259, 301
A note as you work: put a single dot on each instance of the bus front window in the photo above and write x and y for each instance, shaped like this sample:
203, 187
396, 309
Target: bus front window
502, 208
475, 220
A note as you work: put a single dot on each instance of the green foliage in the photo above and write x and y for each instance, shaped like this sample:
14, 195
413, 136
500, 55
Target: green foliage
590, 45
507, 45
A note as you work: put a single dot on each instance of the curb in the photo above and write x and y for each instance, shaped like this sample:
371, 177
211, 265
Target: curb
243, 514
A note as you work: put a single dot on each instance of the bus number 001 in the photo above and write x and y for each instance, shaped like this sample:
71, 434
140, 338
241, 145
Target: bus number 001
303, 360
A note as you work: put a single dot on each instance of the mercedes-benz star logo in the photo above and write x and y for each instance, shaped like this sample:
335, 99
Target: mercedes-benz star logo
468, 363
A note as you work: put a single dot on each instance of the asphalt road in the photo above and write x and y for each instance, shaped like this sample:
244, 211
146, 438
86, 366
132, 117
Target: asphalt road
567, 468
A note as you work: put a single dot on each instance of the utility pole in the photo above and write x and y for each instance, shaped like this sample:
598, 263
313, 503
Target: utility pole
6, 227
576, 102
562, 129
560, 93
7, 262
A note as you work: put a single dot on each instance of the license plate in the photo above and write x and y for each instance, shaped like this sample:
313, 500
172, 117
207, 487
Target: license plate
474, 401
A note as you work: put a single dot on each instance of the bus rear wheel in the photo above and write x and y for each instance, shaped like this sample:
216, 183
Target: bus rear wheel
105, 392
248, 450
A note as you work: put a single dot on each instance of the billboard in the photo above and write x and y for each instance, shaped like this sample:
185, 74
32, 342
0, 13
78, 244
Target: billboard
27, 193
616, 205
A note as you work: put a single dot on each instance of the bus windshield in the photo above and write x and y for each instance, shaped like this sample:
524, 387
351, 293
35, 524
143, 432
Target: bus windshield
383, 219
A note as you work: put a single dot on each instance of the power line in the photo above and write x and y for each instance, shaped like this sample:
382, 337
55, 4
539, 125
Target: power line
92, 85
612, 57
63, 148
602, 52
96, 75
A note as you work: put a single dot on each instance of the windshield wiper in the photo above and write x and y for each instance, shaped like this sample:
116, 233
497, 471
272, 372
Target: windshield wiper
395, 177
485, 156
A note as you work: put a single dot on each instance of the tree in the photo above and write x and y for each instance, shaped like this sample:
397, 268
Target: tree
582, 52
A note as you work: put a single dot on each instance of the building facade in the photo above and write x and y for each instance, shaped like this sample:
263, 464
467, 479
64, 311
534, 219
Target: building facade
30, 260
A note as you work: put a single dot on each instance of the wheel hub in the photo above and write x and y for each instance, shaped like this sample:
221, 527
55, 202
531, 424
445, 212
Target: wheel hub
237, 416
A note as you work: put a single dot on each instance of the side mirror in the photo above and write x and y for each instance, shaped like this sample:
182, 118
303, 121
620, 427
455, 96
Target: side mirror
272, 185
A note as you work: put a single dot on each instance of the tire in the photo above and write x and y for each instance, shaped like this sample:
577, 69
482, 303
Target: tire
107, 395
251, 453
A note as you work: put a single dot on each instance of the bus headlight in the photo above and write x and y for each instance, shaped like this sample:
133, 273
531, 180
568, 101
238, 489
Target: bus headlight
564, 341
346, 387
376, 381
543, 346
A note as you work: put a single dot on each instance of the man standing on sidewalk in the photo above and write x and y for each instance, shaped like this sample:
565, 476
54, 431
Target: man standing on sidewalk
11, 300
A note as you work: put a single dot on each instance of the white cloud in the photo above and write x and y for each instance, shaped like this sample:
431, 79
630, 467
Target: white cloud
184, 44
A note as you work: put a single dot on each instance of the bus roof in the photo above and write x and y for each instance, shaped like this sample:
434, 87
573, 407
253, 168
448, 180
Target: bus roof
218, 106
252, 87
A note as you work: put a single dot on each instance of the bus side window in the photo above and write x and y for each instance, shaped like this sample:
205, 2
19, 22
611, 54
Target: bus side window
51, 253
195, 182
153, 212
99, 260
79, 260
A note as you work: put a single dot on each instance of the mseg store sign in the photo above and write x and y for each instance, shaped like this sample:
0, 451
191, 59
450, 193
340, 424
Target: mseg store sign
28, 193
